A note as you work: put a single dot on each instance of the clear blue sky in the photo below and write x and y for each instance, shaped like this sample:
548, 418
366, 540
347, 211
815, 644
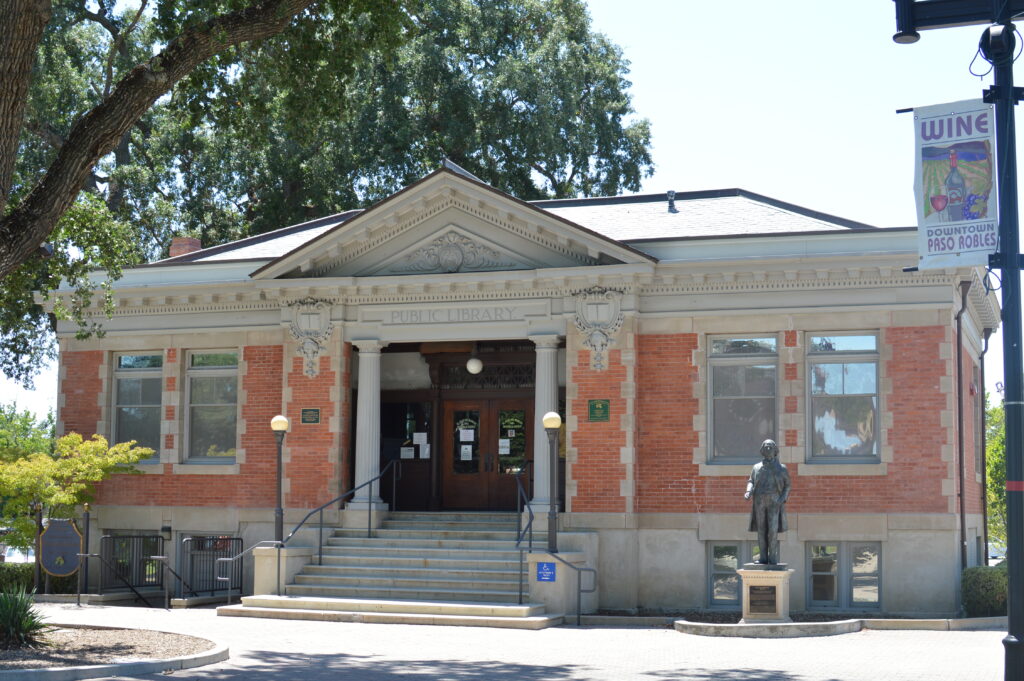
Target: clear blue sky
793, 99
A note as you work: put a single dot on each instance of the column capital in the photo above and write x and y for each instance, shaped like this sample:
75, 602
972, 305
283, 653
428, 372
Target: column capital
369, 346
550, 341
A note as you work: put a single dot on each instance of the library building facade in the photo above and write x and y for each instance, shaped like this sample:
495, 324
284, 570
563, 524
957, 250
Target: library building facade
429, 334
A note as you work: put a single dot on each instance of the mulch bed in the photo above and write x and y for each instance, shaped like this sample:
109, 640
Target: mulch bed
77, 646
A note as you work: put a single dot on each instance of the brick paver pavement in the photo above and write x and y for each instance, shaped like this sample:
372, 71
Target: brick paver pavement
282, 650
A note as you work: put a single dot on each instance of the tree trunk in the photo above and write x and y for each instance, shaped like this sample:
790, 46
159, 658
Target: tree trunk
26, 227
23, 22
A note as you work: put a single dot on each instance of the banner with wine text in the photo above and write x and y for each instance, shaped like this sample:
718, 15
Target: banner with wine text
953, 184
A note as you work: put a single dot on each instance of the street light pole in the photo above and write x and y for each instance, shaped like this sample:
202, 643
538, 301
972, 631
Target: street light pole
552, 425
279, 424
997, 46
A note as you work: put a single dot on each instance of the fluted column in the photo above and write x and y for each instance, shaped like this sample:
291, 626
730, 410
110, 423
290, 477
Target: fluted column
368, 420
545, 400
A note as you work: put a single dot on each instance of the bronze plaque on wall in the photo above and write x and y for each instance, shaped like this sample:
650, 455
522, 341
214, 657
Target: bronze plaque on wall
599, 410
762, 600
310, 416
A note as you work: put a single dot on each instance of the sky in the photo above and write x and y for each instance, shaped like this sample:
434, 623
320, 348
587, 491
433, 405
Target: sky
793, 99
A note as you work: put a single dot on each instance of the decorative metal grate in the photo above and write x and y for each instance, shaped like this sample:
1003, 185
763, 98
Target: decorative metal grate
126, 561
493, 377
199, 562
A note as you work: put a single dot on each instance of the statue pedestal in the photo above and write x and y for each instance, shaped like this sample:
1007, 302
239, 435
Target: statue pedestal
765, 593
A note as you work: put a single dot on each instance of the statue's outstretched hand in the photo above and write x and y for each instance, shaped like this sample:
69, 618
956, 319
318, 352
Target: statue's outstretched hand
746, 495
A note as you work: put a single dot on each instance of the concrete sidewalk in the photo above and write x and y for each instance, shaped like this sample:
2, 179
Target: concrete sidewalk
284, 650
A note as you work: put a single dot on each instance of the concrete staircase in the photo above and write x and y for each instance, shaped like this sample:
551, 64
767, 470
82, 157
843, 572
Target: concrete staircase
454, 568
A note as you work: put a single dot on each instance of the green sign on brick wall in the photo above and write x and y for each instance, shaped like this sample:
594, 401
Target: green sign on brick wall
311, 416
599, 410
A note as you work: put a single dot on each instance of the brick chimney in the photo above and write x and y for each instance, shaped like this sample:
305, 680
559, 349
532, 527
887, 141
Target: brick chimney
180, 245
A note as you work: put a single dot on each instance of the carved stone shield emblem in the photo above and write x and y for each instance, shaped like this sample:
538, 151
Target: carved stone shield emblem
311, 327
60, 544
599, 317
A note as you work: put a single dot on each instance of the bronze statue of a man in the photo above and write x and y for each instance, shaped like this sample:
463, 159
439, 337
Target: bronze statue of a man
769, 484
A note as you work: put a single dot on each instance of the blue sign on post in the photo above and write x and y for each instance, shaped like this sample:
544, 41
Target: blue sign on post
545, 572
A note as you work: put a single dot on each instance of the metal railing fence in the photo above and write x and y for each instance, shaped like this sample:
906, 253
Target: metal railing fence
199, 555
126, 562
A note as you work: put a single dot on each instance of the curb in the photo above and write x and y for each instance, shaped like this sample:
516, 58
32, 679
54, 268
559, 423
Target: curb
218, 653
778, 630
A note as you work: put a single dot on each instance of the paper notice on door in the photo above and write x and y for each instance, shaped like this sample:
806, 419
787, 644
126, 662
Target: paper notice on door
504, 447
407, 452
466, 434
424, 451
419, 439
466, 453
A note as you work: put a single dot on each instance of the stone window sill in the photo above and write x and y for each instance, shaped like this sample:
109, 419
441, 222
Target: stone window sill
843, 469
206, 469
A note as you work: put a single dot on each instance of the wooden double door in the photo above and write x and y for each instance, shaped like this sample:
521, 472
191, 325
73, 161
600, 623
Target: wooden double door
485, 444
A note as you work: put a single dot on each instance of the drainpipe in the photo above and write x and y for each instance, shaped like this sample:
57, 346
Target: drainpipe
984, 449
965, 286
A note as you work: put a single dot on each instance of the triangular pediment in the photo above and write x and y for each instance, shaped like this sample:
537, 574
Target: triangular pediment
448, 223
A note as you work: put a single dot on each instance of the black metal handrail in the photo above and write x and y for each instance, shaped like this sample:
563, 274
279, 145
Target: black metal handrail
579, 590
320, 509
103, 561
523, 531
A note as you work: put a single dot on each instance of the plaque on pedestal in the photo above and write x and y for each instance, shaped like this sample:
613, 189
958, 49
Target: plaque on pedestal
765, 593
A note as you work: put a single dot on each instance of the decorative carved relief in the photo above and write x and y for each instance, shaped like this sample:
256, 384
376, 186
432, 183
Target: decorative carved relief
311, 327
599, 317
453, 252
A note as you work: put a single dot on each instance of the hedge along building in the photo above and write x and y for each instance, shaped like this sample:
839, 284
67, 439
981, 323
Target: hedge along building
673, 333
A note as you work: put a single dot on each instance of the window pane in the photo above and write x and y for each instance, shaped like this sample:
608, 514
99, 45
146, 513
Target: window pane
213, 389
138, 391
511, 443
823, 558
141, 424
725, 588
865, 590
726, 558
823, 588
843, 343
140, 361
827, 379
215, 359
741, 424
843, 426
742, 346
466, 442
859, 379
212, 431
864, 560
753, 381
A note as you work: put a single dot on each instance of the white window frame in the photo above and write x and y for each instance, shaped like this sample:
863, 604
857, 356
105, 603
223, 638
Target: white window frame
191, 372
739, 360
745, 552
844, 576
119, 374
842, 357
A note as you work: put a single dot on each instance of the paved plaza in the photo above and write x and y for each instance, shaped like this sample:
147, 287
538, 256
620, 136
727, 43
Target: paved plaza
284, 650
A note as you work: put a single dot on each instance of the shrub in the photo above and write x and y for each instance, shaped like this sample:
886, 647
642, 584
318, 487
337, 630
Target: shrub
20, 625
20, 576
984, 590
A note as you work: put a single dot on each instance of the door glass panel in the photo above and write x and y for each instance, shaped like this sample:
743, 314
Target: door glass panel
511, 441
466, 441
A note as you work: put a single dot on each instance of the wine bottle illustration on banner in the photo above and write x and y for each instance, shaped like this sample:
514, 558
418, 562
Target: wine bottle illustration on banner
955, 187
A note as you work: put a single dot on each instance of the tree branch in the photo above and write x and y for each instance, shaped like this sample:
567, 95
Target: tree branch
96, 133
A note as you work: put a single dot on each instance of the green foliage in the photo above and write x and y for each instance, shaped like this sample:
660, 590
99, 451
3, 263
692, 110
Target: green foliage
60, 481
21, 576
21, 625
22, 434
995, 472
984, 590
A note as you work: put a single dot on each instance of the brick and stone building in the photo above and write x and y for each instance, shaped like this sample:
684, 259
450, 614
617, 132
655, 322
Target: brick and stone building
673, 333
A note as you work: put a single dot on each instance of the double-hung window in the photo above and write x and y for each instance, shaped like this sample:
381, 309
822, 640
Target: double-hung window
724, 558
843, 385
138, 379
843, 575
212, 406
743, 387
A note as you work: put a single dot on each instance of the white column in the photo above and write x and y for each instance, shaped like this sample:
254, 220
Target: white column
545, 400
368, 421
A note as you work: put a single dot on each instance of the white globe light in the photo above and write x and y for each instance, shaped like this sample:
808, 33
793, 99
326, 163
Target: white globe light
474, 365
552, 420
279, 423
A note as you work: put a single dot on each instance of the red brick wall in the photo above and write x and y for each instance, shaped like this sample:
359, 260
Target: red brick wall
81, 388
598, 470
254, 486
312, 469
668, 480
666, 477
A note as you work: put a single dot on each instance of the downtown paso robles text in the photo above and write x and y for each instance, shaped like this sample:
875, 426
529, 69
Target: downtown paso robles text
962, 237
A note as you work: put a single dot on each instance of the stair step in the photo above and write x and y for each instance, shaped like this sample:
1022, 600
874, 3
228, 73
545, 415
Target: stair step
421, 606
398, 593
388, 581
454, 516
422, 552
497, 572
419, 542
428, 533
528, 623
459, 560
447, 525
